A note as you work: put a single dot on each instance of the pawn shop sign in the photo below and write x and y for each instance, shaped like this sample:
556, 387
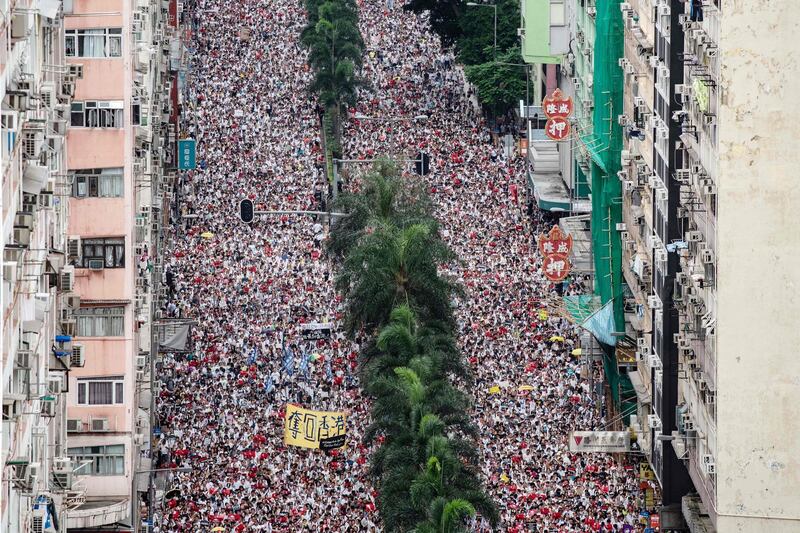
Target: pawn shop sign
555, 242
556, 267
557, 108
557, 104
557, 128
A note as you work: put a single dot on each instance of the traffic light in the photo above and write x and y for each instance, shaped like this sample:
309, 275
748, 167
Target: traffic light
246, 211
422, 164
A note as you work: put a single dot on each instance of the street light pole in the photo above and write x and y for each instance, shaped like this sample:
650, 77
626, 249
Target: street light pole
493, 6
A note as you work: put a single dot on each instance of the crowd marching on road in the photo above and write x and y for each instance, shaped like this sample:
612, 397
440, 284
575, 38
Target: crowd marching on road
252, 287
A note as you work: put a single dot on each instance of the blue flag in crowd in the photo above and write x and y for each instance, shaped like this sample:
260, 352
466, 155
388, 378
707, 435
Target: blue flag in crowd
268, 385
253, 355
288, 361
304, 365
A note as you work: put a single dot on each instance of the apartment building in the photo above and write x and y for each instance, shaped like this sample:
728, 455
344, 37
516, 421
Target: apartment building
708, 188
38, 350
118, 147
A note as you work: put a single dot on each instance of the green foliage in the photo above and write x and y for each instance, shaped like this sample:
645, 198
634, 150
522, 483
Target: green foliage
394, 295
499, 86
476, 41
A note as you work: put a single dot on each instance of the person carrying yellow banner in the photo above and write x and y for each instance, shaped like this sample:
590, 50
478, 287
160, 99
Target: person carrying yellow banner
314, 429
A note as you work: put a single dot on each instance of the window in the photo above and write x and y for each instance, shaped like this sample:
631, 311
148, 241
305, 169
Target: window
100, 460
100, 321
110, 251
100, 391
97, 183
100, 42
96, 114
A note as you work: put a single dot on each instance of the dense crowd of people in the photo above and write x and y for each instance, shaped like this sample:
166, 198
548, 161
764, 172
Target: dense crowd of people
250, 289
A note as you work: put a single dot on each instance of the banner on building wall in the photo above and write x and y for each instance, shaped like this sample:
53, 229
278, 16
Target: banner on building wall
324, 430
599, 441
186, 154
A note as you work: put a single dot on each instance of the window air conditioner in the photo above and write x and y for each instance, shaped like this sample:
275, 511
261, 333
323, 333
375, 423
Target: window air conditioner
48, 408
74, 425
96, 264
67, 278
78, 357
99, 424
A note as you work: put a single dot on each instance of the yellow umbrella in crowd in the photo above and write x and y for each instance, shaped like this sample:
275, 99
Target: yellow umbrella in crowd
525, 387
494, 390
577, 351
206, 235
556, 338
218, 528
543, 314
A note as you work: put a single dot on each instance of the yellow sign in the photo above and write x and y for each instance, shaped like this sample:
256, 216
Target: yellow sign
494, 390
645, 473
314, 429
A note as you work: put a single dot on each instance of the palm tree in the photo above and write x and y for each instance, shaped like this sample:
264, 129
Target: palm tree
393, 266
403, 339
385, 197
446, 516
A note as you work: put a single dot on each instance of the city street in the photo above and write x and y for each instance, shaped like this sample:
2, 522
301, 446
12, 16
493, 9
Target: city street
251, 288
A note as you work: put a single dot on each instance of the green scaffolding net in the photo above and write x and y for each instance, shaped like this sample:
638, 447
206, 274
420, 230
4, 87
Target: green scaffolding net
605, 148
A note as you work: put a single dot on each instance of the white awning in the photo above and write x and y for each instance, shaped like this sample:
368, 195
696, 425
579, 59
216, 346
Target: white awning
638, 386
34, 179
49, 8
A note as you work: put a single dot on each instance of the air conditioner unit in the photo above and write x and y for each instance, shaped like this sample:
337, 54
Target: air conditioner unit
74, 425
623, 120
62, 473
664, 10
96, 264
67, 279
660, 255
74, 248
682, 175
653, 421
709, 119
653, 61
54, 385
654, 302
99, 424
22, 359
138, 439
141, 361
591, 11
707, 257
48, 408
78, 357
625, 155
72, 301
628, 185
630, 245
694, 236
620, 226
624, 6
22, 235
710, 468
645, 350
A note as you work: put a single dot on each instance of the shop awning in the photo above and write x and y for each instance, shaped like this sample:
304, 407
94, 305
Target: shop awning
639, 387
34, 179
551, 194
49, 8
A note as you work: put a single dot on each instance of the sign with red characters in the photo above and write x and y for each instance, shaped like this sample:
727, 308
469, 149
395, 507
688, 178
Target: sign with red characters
555, 247
557, 108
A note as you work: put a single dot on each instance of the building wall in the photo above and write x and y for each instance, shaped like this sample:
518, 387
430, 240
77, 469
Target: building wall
758, 292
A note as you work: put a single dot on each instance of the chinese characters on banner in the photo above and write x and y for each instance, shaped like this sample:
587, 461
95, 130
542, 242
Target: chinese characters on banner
186, 154
314, 429
599, 441
557, 108
555, 248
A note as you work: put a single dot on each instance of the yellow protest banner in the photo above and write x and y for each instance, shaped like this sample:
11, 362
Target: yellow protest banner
314, 429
